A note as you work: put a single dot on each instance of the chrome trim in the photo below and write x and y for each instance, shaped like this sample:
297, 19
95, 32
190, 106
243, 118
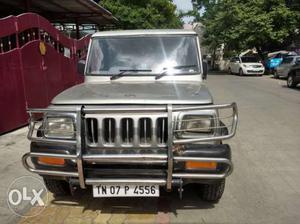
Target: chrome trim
123, 156
127, 158
153, 159
94, 181
135, 113
205, 107
226, 173
117, 141
53, 110
33, 129
111, 109
170, 147
47, 172
60, 156
198, 176
231, 132
79, 143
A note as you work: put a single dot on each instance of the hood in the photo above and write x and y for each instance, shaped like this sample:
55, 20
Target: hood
135, 93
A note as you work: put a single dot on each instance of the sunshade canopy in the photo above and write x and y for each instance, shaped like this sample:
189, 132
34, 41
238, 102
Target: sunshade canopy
60, 11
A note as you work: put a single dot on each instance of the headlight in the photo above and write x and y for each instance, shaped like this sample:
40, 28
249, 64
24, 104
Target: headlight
59, 127
196, 124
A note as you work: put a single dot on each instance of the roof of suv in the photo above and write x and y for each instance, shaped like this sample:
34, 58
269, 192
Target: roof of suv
143, 32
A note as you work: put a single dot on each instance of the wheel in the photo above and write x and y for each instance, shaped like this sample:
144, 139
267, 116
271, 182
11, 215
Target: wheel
213, 192
229, 71
241, 73
291, 82
275, 75
57, 187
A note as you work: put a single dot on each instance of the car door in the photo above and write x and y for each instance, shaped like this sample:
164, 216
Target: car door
236, 65
297, 71
286, 64
230, 65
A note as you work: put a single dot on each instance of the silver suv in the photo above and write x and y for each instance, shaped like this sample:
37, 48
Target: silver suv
283, 70
143, 120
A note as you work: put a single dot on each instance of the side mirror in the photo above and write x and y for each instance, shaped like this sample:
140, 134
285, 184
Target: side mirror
81, 67
204, 69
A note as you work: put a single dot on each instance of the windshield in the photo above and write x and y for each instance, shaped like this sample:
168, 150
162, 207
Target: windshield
249, 59
148, 55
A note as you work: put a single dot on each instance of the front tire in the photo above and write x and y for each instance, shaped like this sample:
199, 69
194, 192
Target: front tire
275, 75
241, 73
291, 82
57, 187
213, 192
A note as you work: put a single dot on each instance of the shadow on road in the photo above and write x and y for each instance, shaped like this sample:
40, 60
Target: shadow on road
168, 202
297, 88
218, 73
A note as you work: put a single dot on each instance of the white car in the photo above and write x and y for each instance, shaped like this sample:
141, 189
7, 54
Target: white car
246, 66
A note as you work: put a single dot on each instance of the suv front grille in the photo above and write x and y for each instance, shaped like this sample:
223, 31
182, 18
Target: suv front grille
119, 131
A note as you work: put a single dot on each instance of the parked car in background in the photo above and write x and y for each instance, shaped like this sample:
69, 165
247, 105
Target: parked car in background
246, 65
274, 59
284, 69
294, 75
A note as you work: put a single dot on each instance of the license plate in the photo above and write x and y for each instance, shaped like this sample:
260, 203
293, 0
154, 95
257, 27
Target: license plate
124, 190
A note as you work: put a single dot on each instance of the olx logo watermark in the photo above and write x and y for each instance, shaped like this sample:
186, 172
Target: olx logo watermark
27, 196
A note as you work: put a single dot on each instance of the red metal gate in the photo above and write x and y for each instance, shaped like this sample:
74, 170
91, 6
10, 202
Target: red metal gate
36, 63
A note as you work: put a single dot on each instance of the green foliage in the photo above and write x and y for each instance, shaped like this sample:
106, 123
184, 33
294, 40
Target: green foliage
241, 24
144, 14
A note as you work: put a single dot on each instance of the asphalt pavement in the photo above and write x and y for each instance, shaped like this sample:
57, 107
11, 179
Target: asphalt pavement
264, 187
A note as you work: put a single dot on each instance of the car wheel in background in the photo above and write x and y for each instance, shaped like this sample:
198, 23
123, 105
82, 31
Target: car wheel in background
275, 75
291, 82
241, 73
229, 71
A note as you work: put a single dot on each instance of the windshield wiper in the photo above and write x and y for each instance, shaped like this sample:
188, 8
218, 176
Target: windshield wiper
165, 70
122, 73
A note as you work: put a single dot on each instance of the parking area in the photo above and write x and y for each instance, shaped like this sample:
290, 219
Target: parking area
264, 187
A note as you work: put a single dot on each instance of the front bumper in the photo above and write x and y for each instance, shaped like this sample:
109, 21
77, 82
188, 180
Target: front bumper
253, 71
134, 168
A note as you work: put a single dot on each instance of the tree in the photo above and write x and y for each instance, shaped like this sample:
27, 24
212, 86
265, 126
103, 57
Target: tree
240, 24
144, 14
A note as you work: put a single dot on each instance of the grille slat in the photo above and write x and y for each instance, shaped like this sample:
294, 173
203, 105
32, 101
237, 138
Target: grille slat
92, 130
109, 130
154, 136
162, 130
127, 131
145, 131
119, 131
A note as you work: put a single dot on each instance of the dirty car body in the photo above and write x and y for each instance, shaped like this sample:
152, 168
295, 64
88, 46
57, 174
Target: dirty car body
142, 120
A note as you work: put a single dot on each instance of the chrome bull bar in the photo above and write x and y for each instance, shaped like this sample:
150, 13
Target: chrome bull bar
78, 114
132, 158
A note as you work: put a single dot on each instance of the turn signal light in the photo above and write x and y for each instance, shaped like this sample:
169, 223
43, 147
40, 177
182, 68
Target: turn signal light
51, 161
200, 165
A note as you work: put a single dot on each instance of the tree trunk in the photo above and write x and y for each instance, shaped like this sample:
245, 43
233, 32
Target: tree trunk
260, 53
213, 59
